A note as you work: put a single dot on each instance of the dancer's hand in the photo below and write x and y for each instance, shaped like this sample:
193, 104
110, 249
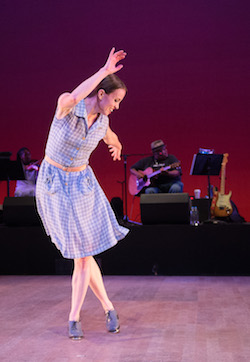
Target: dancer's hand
113, 58
115, 152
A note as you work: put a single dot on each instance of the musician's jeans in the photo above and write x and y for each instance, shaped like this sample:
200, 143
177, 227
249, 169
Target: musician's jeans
175, 187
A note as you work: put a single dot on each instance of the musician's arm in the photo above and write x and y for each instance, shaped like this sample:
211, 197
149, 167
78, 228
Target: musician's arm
172, 173
137, 173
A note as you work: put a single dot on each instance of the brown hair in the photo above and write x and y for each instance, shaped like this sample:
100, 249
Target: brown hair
109, 84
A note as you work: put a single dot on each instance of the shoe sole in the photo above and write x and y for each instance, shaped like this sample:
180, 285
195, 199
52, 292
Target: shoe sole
75, 338
115, 331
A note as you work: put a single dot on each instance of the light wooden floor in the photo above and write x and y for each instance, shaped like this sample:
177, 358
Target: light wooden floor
188, 319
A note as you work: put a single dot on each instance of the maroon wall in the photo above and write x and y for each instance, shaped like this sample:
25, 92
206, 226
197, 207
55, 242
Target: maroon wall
187, 72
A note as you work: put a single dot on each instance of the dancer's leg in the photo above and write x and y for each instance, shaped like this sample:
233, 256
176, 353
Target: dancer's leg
97, 286
80, 283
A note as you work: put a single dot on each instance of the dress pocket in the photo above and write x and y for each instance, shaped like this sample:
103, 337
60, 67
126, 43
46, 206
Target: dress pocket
85, 184
52, 183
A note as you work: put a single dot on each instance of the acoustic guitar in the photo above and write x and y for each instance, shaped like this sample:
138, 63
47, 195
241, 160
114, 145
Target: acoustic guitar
135, 184
221, 205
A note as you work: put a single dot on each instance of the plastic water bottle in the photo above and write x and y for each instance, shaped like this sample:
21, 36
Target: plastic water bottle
194, 216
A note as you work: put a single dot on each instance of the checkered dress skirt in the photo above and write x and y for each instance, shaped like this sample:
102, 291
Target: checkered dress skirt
73, 207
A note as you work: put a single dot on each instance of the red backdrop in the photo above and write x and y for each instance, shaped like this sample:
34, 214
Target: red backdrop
187, 72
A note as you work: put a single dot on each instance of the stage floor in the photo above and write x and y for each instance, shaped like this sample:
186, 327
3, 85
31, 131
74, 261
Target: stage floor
163, 318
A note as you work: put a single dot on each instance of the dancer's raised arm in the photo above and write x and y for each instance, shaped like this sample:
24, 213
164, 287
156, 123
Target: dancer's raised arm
68, 100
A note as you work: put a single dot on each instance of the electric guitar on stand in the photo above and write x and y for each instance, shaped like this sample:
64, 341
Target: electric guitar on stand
221, 205
135, 185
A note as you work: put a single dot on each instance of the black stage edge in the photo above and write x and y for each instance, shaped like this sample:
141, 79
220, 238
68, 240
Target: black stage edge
222, 249
209, 249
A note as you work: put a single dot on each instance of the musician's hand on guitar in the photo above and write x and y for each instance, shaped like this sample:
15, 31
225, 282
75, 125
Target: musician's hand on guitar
165, 172
115, 152
140, 174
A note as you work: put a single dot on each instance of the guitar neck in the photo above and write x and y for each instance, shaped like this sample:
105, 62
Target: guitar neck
159, 171
223, 178
223, 173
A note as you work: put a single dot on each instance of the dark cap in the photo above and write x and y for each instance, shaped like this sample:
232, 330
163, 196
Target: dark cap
157, 144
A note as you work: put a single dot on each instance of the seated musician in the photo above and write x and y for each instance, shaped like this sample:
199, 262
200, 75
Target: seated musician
165, 181
27, 187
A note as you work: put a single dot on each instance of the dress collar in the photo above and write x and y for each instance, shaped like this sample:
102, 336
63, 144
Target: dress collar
81, 112
80, 109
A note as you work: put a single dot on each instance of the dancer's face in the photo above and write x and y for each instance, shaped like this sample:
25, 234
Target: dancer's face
109, 102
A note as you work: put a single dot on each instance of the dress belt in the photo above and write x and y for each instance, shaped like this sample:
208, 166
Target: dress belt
67, 169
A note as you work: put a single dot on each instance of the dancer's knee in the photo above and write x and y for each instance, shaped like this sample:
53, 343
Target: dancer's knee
82, 263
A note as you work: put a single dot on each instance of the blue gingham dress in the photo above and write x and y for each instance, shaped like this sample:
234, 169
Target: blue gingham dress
74, 209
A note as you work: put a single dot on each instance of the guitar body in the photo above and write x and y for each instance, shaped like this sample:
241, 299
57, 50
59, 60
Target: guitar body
223, 206
135, 185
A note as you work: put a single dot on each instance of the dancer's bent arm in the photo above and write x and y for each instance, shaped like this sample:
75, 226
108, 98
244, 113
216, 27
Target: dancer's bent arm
68, 100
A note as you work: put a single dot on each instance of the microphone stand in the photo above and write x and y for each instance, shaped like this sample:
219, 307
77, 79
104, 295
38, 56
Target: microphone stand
125, 186
125, 156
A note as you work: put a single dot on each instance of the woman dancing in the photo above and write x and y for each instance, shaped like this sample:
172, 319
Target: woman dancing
74, 209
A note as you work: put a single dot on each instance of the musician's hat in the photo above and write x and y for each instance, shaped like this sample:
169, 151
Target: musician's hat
157, 144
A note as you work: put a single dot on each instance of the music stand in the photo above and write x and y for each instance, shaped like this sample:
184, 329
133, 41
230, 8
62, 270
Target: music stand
10, 171
208, 165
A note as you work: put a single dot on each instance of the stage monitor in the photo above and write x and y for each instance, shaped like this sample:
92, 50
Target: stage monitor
20, 211
172, 208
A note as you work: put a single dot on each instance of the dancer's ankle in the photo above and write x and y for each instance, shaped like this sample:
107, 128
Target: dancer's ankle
74, 318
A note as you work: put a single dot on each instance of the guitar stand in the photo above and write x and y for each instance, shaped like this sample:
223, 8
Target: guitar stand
207, 165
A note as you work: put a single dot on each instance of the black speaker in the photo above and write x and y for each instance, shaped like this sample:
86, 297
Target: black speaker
117, 206
20, 211
170, 208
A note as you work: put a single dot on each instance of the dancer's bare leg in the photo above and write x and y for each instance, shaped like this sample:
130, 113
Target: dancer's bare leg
80, 283
97, 286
